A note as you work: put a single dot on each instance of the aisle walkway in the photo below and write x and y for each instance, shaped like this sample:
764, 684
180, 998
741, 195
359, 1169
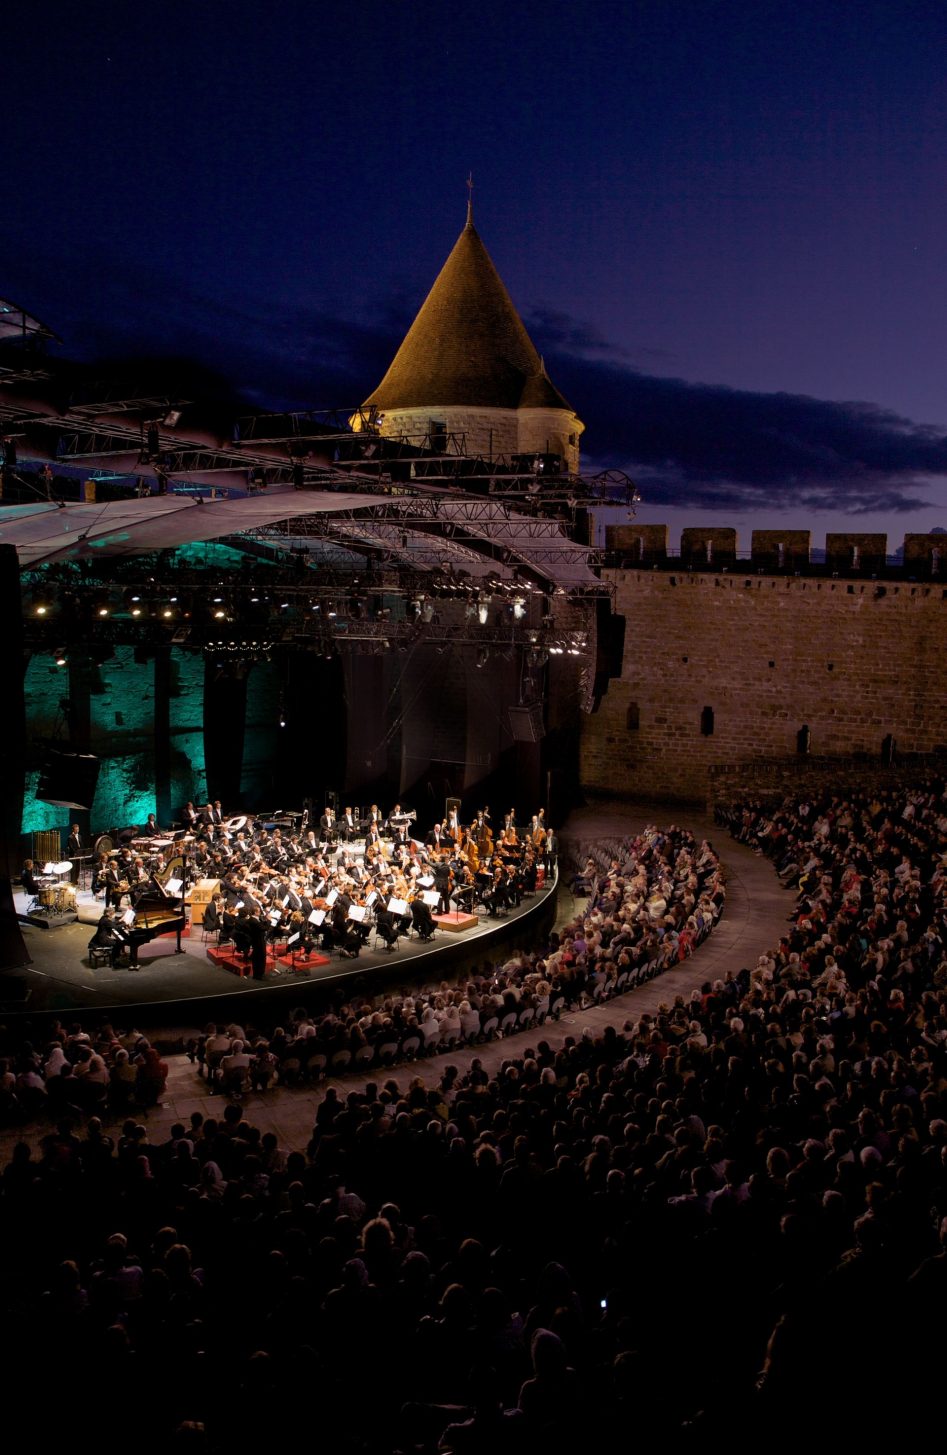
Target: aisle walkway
754, 919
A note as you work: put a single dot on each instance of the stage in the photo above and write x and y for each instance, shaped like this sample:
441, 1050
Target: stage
60, 979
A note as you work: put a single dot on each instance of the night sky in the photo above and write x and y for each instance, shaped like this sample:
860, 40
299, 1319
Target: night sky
723, 223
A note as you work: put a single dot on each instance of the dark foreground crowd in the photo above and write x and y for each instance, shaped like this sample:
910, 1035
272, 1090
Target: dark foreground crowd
723, 1222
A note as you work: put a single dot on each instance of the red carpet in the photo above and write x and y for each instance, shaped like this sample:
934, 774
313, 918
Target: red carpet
304, 962
456, 922
228, 960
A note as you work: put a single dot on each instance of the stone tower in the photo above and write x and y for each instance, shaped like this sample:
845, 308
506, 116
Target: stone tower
467, 378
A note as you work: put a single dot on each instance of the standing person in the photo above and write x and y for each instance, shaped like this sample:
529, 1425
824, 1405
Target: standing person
551, 852
73, 851
442, 882
256, 934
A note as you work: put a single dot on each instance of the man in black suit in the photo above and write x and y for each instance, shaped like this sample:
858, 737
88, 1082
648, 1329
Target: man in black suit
73, 851
348, 826
328, 826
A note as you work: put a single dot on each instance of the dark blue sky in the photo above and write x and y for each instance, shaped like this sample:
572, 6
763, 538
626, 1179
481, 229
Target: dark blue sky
722, 222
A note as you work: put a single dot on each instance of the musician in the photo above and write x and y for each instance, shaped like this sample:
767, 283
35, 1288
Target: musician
463, 889
388, 926
348, 826
327, 824
190, 817
138, 878
551, 852
116, 885
150, 829
453, 823
28, 878
74, 852
443, 883
110, 934
439, 837
422, 919
375, 817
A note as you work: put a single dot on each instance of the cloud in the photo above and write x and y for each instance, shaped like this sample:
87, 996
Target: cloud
686, 444
721, 448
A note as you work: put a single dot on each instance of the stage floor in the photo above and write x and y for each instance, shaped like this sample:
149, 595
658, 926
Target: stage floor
60, 978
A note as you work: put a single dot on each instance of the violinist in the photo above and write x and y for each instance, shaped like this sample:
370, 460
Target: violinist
388, 926
422, 919
463, 887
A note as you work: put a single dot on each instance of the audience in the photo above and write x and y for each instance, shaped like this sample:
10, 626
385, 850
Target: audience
727, 1219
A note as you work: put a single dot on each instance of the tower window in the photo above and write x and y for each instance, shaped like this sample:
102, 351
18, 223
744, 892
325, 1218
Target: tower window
438, 431
632, 717
707, 722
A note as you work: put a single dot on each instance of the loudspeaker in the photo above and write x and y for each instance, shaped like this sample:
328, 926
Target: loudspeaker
526, 723
611, 642
68, 779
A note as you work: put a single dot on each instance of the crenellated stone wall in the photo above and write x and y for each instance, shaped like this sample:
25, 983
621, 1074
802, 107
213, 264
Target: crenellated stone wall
731, 667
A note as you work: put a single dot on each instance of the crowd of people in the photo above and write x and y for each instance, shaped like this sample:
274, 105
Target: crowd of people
725, 1220
652, 905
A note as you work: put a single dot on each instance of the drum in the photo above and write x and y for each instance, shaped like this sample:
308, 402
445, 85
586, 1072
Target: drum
235, 824
47, 896
66, 899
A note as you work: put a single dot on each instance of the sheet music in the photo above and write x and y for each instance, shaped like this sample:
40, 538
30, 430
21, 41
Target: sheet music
174, 886
357, 913
426, 881
292, 939
128, 918
317, 917
398, 906
331, 897
371, 899
431, 898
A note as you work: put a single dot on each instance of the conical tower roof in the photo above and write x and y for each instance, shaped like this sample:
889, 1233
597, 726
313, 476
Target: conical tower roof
467, 346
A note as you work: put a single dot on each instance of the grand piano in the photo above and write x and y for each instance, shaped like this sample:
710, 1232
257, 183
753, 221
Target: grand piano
157, 912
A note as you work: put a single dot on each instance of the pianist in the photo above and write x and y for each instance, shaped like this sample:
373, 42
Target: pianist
110, 935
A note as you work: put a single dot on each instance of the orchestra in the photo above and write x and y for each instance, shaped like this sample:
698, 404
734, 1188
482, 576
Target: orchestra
289, 882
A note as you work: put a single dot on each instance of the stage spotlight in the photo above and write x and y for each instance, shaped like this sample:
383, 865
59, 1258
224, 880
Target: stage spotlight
483, 612
59, 656
519, 608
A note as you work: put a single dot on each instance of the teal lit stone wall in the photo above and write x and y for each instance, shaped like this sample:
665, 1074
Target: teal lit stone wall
188, 778
46, 686
121, 715
122, 738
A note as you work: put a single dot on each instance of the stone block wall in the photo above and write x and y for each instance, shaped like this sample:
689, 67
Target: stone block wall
727, 669
708, 545
780, 549
856, 551
640, 545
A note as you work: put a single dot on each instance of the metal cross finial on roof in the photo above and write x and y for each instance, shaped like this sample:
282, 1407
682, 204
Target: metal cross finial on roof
470, 199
